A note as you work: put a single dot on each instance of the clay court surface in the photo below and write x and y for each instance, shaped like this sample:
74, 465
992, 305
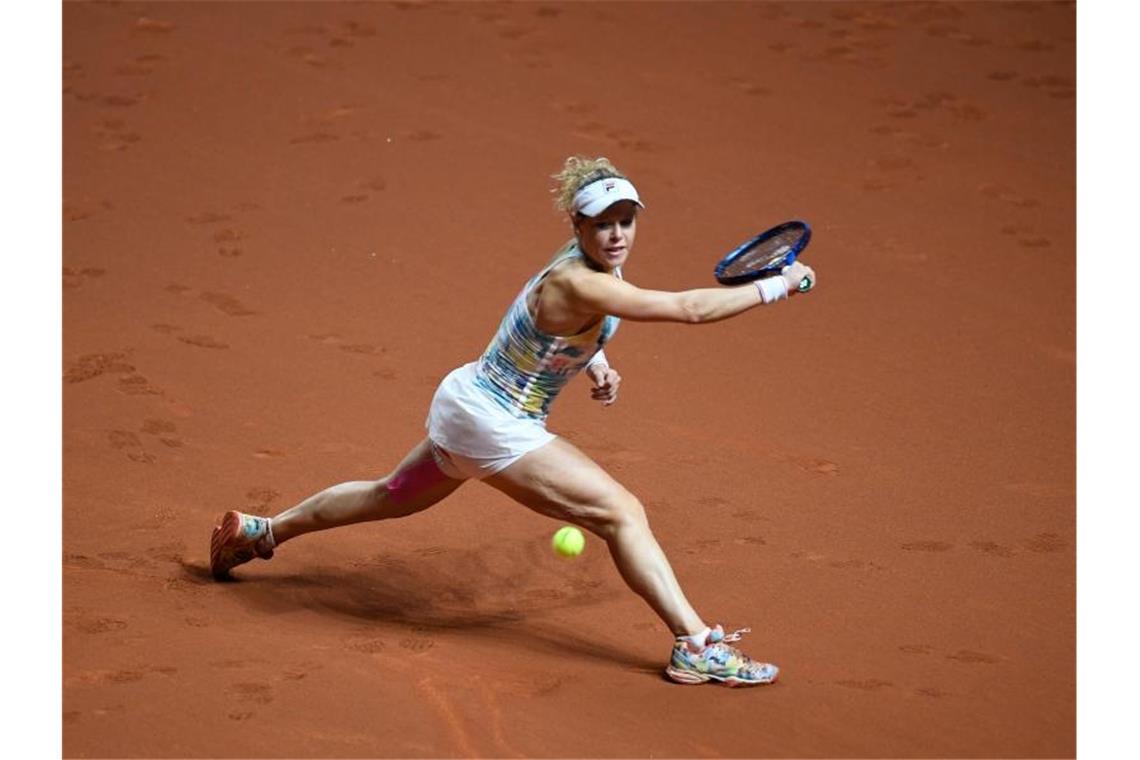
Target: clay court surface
284, 223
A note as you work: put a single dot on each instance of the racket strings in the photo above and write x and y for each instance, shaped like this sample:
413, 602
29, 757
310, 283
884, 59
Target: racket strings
765, 253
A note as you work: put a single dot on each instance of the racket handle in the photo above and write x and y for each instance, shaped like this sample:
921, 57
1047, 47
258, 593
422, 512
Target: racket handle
806, 284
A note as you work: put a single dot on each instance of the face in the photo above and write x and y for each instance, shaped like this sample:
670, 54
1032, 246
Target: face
608, 237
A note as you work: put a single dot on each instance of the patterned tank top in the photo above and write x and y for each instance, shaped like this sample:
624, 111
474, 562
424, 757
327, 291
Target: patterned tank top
524, 368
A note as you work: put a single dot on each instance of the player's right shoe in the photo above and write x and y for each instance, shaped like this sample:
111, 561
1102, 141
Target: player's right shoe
716, 661
238, 539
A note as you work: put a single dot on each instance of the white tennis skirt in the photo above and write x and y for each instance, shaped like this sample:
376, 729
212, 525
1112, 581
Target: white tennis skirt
474, 435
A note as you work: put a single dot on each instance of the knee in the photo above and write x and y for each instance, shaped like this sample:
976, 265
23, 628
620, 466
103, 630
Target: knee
379, 492
622, 512
389, 489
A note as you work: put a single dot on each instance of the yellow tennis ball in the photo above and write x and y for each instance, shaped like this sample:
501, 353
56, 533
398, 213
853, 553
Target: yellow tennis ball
568, 541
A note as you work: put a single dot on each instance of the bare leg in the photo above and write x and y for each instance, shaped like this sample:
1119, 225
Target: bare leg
560, 481
413, 486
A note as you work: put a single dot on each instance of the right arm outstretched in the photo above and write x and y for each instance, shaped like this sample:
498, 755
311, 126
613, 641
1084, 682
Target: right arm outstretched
597, 293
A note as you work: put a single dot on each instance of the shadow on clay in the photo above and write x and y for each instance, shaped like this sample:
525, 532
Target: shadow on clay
453, 591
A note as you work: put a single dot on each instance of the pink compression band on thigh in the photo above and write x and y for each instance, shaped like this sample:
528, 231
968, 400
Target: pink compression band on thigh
414, 480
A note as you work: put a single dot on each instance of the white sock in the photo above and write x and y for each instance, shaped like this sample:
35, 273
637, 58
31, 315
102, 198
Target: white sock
268, 537
698, 639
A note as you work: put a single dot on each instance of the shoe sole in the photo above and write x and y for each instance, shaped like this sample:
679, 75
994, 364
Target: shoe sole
226, 532
689, 678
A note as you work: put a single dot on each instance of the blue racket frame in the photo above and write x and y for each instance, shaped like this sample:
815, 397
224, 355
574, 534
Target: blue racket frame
775, 266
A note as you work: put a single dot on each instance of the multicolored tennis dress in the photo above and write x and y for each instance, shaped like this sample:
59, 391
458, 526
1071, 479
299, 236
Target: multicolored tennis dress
487, 414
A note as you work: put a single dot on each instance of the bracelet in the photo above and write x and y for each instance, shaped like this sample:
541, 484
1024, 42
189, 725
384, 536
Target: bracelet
772, 289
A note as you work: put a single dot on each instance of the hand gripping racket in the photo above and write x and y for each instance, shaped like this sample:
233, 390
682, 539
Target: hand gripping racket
765, 255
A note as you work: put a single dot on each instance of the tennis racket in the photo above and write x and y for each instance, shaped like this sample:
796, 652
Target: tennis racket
765, 255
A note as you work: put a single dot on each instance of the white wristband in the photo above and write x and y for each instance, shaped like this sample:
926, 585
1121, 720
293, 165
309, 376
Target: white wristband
598, 358
772, 289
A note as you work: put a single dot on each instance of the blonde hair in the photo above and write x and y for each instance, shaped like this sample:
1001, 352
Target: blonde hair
577, 172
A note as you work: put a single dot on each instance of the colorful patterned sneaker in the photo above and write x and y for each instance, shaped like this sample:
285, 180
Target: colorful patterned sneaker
237, 540
717, 661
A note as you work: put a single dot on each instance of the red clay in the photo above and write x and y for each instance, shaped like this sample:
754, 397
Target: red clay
285, 222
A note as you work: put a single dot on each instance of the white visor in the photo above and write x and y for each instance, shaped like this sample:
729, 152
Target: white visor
598, 196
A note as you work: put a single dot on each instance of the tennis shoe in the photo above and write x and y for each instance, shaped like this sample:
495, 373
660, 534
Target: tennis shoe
238, 539
718, 662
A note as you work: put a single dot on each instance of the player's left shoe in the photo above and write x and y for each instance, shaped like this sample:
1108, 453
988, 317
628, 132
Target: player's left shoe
717, 662
238, 539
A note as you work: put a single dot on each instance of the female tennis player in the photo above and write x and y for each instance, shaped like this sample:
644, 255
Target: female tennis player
487, 420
